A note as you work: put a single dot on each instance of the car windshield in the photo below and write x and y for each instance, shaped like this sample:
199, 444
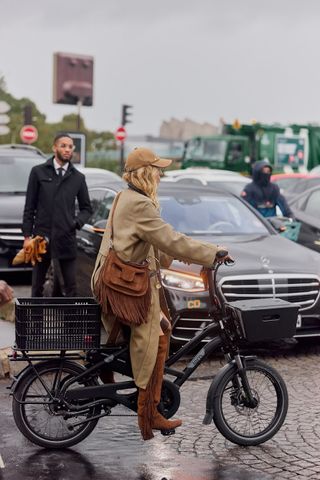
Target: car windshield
207, 150
15, 173
234, 187
202, 214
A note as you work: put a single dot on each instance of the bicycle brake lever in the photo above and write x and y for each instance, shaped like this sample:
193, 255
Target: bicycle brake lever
229, 262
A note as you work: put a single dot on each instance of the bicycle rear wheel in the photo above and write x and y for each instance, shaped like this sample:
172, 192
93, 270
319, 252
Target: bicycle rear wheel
45, 422
244, 423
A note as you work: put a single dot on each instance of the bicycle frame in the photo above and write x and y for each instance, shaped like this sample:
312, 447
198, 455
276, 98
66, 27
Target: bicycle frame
112, 355
73, 391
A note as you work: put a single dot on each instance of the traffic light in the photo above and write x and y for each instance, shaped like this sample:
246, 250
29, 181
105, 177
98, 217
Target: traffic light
73, 79
125, 114
27, 115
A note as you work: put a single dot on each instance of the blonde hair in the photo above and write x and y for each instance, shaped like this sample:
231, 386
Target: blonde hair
145, 178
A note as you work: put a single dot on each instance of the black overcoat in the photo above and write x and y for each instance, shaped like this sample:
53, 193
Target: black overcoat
50, 207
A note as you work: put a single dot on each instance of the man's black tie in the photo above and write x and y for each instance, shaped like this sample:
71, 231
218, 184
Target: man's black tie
60, 170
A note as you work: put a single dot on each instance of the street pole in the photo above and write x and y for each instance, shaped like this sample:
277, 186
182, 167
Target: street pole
79, 103
122, 156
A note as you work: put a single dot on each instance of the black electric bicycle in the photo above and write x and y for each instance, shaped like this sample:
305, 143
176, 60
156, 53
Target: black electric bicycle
58, 401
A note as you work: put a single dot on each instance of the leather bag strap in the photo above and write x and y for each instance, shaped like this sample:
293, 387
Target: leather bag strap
111, 219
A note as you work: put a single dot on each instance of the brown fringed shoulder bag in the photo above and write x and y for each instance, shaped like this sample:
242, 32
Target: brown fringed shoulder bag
123, 286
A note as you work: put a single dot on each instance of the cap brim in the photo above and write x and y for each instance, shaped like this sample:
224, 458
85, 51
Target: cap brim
162, 162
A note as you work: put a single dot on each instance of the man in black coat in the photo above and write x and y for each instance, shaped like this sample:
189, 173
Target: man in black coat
49, 212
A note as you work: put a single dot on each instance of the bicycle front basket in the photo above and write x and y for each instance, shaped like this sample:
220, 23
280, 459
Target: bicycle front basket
266, 319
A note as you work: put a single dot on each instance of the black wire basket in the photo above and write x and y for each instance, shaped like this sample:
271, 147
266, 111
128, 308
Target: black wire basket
57, 323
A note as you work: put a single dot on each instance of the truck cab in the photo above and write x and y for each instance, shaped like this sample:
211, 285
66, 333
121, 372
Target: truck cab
228, 152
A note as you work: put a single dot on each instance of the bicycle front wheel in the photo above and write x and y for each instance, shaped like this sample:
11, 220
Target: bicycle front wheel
246, 422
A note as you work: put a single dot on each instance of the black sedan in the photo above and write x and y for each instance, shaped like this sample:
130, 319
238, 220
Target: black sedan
267, 265
16, 162
306, 207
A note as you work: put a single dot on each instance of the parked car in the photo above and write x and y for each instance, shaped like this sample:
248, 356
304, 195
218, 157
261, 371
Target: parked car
98, 176
16, 162
267, 265
232, 181
203, 171
306, 208
292, 184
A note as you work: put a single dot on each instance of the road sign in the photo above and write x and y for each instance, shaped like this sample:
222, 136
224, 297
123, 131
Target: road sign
4, 119
4, 107
4, 129
121, 134
29, 134
79, 141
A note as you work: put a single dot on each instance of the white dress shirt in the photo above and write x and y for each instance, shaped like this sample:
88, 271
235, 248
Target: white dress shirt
57, 166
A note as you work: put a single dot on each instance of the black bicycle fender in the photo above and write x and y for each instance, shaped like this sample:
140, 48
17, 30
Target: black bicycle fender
18, 377
25, 372
208, 418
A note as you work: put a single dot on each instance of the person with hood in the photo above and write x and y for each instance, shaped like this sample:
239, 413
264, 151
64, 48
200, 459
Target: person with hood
264, 195
138, 234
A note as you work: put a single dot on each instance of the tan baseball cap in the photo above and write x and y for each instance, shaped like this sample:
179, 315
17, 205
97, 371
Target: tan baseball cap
142, 157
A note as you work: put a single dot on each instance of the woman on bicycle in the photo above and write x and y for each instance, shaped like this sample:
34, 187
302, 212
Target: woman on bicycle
139, 233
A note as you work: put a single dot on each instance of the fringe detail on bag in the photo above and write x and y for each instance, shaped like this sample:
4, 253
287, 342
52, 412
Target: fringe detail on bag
128, 309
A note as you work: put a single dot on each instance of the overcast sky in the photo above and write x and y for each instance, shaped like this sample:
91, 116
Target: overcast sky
200, 59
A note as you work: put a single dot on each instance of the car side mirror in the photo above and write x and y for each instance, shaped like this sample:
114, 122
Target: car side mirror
279, 223
100, 226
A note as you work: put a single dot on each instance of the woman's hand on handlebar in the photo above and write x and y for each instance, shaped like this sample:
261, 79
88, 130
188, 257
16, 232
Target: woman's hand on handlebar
222, 256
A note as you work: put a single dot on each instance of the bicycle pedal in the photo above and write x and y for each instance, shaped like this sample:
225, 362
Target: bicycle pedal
166, 433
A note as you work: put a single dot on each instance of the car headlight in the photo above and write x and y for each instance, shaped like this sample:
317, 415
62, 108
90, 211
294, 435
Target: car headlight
182, 281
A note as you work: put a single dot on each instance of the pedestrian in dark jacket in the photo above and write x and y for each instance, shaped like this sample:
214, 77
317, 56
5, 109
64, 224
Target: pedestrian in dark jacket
49, 212
264, 195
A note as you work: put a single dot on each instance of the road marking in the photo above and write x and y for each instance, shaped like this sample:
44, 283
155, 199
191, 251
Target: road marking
1, 462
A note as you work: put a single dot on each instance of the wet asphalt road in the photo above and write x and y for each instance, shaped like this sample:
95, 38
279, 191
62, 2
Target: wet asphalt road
115, 450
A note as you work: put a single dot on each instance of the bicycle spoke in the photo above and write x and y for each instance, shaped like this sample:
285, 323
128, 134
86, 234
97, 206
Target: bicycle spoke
240, 417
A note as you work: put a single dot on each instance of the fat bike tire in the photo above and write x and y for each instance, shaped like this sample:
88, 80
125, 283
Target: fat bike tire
43, 424
235, 419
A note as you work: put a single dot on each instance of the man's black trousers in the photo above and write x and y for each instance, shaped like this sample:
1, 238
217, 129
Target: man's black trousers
65, 268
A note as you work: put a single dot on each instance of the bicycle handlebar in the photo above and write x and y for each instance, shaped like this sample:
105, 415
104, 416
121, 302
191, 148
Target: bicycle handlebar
220, 255
210, 282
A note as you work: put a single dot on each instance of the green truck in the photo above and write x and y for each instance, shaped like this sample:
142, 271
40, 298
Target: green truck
287, 148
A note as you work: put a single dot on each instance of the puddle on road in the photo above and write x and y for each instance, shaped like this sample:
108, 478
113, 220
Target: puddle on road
113, 451
72, 465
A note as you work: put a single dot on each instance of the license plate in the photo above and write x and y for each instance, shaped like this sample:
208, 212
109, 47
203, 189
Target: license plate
298, 324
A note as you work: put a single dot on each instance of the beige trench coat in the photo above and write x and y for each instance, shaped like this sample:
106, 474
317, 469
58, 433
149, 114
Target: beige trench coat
137, 228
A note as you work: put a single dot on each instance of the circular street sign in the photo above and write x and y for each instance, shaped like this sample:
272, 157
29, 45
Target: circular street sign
4, 107
29, 134
121, 134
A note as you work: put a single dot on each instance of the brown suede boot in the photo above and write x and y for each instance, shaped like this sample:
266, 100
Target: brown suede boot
159, 422
148, 416
145, 412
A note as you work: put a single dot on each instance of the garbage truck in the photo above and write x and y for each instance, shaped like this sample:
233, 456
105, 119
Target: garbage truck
288, 148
